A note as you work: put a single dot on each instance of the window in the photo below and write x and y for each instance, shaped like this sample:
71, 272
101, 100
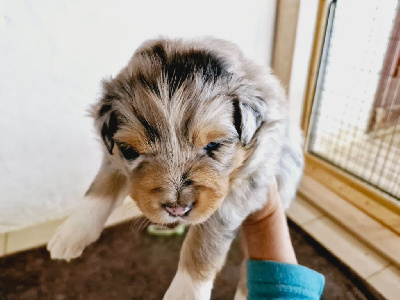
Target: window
359, 78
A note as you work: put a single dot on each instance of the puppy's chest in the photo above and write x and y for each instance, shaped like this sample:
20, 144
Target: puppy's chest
246, 193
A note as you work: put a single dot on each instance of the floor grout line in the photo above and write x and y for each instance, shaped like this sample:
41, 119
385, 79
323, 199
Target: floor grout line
380, 270
312, 220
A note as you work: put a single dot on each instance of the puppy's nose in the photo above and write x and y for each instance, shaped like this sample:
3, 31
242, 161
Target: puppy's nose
177, 210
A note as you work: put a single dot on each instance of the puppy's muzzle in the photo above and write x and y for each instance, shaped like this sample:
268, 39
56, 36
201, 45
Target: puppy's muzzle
178, 210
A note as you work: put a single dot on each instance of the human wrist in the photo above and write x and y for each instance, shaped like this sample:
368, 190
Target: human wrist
267, 237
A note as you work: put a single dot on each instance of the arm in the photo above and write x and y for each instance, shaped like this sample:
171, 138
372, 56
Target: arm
267, 234
272, 271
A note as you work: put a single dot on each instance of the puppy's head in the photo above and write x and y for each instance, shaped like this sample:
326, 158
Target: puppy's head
176, 123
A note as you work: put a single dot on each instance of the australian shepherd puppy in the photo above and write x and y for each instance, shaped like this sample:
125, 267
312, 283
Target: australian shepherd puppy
194, 132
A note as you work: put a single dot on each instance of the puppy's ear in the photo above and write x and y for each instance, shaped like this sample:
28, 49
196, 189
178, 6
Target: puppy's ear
247, 120
105, 116
106, 122
108, 129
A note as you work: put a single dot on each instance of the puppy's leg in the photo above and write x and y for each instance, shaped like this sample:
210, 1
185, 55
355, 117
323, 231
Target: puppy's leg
86, 223
241, 290
202, 256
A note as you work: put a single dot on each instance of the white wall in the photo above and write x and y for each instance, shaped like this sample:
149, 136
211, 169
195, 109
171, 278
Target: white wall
301, 57
52, 57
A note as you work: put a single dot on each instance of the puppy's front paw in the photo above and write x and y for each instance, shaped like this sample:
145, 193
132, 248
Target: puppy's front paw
71, 238
183, 287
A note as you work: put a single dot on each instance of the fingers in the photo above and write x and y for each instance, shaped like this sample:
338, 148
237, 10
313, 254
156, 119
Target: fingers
273, 204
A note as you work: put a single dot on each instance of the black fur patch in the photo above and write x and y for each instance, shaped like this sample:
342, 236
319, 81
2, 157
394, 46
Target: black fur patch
184, 66
237, 118
128, 152
159, 51
181, 66
149, 83
185, 180
108, 130
151, 132
104, 109
212, 148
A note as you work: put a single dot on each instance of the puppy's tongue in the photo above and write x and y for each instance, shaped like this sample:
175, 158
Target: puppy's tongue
178, 211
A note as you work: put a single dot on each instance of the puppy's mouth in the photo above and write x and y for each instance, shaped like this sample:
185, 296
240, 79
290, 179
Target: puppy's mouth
178, 211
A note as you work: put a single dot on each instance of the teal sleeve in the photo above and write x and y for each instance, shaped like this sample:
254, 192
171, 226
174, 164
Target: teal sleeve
274, 280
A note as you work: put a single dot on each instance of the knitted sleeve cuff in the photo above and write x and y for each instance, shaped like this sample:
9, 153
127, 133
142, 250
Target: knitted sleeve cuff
275, 280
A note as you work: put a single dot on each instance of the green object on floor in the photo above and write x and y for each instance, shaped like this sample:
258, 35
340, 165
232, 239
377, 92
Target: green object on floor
166, 231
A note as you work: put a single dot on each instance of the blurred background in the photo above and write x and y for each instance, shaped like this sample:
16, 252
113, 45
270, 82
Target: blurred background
339, 62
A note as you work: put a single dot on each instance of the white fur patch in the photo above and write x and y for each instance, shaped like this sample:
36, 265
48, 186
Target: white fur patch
183, 287
82, 228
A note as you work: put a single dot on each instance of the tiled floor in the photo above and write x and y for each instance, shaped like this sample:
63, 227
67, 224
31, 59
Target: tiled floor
129, 264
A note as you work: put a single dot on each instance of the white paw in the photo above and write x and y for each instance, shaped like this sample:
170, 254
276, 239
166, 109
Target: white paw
183, 287
72, 237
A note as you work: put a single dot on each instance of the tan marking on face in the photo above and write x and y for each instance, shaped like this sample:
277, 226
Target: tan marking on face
135, 138
211, 187
204, 136
151, 186
238, 159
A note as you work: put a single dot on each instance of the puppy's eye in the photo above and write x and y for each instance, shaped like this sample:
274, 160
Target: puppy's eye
128, 151
211, 147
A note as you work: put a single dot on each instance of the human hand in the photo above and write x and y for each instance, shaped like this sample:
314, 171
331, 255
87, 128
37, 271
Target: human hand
265, 233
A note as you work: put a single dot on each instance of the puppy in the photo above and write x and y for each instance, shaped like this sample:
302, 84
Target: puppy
194, 132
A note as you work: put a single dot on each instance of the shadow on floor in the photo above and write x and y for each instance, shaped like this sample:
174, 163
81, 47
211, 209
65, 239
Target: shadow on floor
127, 263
